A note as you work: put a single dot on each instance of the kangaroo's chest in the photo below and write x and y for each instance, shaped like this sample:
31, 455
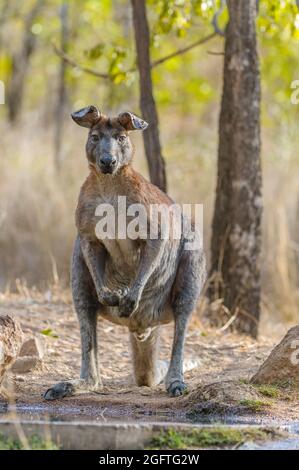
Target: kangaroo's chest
111, 228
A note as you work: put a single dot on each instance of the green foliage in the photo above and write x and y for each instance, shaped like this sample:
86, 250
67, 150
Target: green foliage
244, 381
174, 15
278, 19
206, 437
48, 332
34, 442
278, 33
95, 52
101, 38
254, 405
269, 391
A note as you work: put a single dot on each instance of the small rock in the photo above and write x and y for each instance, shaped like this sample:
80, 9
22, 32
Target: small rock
35, 346
282, 365
25, 364
19, 378
11, 338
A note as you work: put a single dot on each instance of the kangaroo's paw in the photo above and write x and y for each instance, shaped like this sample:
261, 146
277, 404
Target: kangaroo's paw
69, 388
176, 388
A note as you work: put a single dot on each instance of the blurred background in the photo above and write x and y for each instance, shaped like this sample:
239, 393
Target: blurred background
56, 57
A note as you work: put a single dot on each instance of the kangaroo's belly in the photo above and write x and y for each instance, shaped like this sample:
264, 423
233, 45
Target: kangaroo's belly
154, 307
141, 320
121, 270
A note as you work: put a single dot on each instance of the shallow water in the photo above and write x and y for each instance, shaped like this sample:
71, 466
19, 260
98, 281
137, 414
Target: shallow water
89, 415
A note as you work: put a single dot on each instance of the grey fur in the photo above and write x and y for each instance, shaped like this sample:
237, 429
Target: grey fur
138, 284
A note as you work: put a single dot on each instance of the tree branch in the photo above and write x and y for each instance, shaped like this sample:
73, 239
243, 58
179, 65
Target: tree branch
215, 52
72, 62
69, 60
216, 27
183, 50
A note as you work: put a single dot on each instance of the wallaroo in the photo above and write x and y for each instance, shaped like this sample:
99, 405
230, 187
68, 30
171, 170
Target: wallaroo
139, 283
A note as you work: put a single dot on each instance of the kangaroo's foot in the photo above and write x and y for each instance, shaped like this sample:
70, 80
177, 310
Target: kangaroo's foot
175, 387
71, 387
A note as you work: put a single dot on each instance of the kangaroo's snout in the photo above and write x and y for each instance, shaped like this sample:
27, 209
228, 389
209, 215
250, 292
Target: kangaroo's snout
107, 163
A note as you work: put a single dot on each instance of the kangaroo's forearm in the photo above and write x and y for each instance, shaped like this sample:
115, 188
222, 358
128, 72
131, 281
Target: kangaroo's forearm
150, 257
95, 257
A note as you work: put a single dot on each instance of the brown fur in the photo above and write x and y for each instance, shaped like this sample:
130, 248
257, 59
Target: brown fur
139, 283
127, 182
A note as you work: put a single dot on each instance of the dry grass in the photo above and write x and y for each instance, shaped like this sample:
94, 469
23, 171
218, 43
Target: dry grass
37, 204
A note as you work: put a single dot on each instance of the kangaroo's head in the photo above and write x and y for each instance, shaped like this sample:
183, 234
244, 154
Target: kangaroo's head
108, 146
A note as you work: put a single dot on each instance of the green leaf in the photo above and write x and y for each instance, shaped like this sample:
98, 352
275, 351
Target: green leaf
48, 332
95, 52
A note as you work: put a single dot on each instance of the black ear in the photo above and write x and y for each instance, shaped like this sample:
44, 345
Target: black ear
87, 117
131, 122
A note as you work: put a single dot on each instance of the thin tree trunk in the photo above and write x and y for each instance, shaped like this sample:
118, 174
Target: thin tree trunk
296, 234
236, 237
62, 93
20, 64
147, 103
3, 17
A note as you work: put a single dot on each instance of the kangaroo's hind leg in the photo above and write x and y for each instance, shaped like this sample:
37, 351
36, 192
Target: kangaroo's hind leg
186, 289
148, 370
87, 307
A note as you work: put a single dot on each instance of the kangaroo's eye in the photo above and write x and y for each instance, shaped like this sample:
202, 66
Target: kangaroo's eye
121, 138
94, 137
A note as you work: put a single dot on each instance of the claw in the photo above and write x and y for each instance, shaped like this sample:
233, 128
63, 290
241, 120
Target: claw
60, 390
128, 303
176, 388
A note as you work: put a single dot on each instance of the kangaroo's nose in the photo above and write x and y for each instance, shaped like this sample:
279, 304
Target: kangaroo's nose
107, 160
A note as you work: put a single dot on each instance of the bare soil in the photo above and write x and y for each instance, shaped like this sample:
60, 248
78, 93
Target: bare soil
218, 385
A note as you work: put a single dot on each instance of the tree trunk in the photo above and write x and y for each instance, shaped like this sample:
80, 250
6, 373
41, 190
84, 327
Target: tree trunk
3, 17
62, 93
236, 238
147, 103
296, 239
20, 64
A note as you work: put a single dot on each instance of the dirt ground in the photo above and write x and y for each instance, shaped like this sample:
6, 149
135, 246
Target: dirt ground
218, 385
